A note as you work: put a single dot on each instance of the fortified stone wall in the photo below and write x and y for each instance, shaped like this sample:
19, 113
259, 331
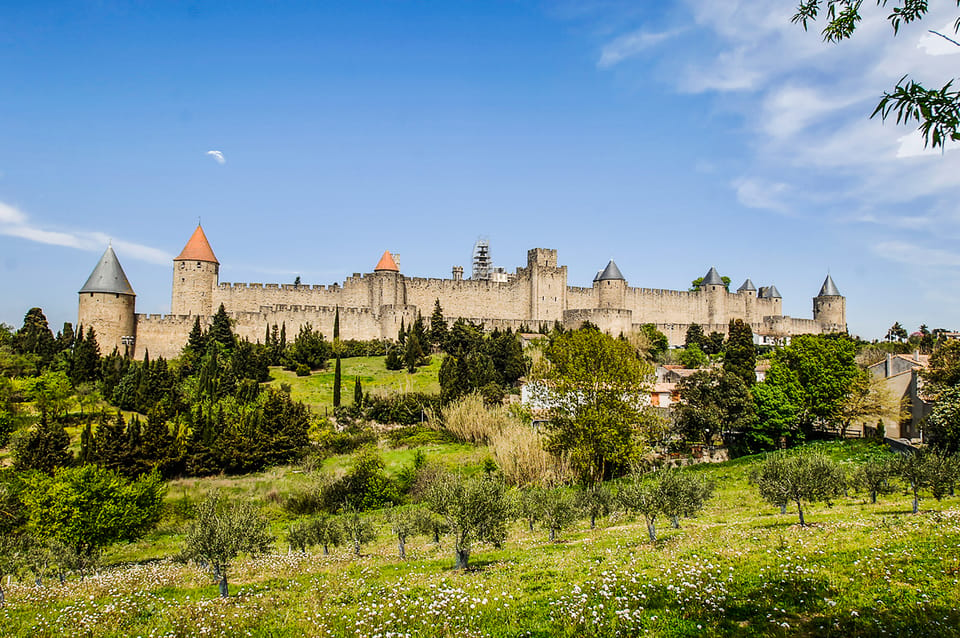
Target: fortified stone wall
374, 305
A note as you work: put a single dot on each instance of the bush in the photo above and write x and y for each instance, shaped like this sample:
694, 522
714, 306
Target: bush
366, 486
403, 409
303, 370
345, 442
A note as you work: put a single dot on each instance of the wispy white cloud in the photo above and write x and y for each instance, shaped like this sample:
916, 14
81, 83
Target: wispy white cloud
762, 194
218, 156
631, 45
16, 223
914, 255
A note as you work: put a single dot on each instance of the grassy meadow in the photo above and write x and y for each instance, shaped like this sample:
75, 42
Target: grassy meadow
738, 569
316, 390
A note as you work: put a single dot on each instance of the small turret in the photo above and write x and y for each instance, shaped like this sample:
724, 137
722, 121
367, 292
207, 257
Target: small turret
196, 273
108, 305
830, 307
747, 288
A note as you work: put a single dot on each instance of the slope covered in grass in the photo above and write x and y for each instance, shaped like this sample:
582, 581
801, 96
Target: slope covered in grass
739, 569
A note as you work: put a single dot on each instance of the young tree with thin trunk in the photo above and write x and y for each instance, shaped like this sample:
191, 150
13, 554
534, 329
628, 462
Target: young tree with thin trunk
594, 501
557, 510
798, 477
358, 529
221, 532
475, 509
403, 524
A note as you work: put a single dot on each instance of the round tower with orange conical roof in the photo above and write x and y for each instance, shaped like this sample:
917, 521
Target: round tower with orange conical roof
196, 273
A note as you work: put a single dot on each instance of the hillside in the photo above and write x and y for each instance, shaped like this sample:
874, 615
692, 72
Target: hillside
740, 568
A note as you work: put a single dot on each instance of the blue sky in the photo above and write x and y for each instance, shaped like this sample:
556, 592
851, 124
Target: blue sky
671, 137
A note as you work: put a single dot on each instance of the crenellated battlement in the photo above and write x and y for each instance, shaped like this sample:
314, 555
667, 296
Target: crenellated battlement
373, 305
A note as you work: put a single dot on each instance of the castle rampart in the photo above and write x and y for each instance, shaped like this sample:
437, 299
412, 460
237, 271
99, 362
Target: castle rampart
374, 305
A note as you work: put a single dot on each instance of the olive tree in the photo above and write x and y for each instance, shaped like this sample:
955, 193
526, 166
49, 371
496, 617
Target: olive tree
221, 531
875, 476
557, 510
594, 501
404, 523
321, 530
641, 496
681, 494
358, 529
799, 477
475, 509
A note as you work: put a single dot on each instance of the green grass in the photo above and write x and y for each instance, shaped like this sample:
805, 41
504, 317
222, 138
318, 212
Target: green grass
739, 569
316, 390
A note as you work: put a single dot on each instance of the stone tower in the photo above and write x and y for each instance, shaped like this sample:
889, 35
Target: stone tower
195, 276
612, 286
716, 292
108, 305
830, 307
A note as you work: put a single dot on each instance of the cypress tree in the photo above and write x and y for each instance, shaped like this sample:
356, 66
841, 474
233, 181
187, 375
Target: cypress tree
336, 370
413, 353
357, 393
197, 340
220, 330
402, 335
438, 325
740, 358
336, 384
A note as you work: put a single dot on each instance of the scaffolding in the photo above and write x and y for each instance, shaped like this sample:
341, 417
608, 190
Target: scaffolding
482, 264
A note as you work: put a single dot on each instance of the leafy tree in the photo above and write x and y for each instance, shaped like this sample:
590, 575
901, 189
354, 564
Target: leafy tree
359, 529
394, 359
740, 357
924, 469
337, 382
942, 426
658, 341
320, 530
696, 283
50, 392
85, 364
197, 341
694, 336
937, 111
557, 510
714, 403
365, 486
309, 348
641, 496
944, 368
875, 476
681, 494
692, 357
712, 343
897, 332
595, 501
815, 373
403, 524
45, 448
221, 531
87, 507
800, 477
868, 400
474, 509
596, 389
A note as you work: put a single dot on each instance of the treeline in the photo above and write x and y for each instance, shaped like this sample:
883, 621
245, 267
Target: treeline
206, 412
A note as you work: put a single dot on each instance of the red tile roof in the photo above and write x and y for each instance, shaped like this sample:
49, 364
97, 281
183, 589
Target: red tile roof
386, 263
197, 248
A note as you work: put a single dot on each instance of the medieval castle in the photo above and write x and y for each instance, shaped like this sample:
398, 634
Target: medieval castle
373, 305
